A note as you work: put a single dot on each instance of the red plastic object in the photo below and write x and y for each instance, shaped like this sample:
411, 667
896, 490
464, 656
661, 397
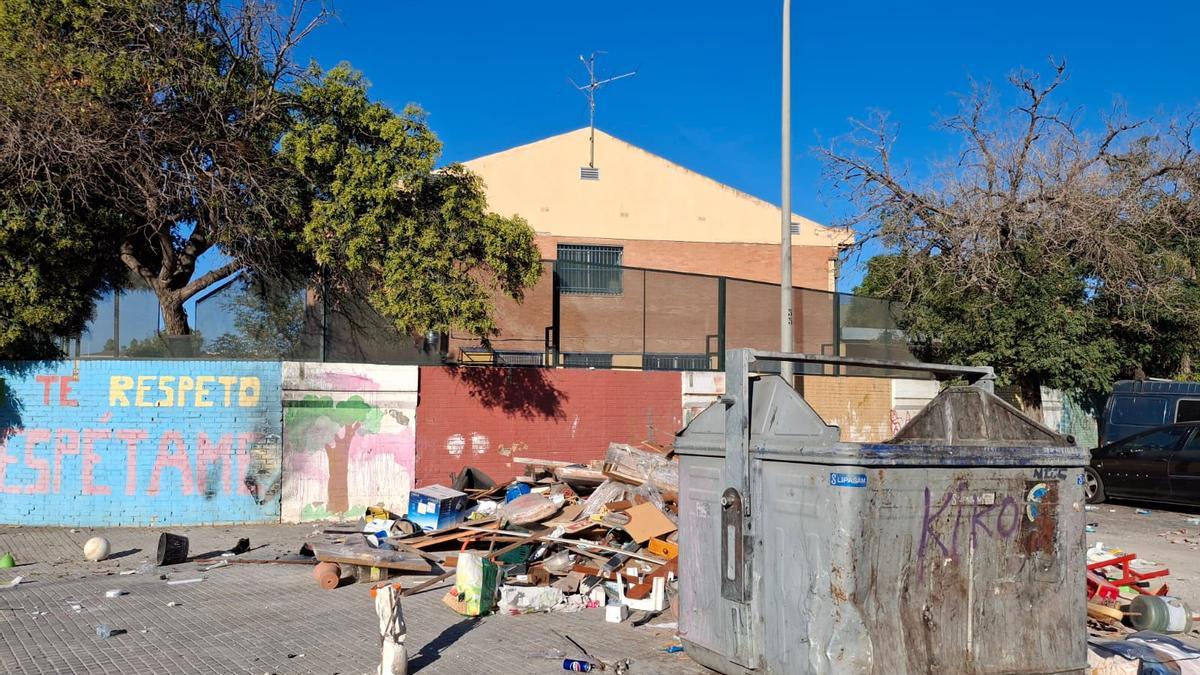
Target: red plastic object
1129, 576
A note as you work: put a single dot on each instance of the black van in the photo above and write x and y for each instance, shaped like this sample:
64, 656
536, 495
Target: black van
1137, 405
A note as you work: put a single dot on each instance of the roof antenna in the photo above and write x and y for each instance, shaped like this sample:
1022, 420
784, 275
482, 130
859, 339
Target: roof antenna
589, 90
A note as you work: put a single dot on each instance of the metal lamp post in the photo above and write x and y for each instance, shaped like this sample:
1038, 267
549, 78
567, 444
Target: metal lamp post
786, 341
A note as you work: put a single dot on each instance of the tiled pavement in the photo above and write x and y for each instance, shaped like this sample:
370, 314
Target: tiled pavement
260, 618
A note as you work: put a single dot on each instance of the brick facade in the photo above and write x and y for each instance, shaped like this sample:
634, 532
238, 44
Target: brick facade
860, 406
756, 262
483, 417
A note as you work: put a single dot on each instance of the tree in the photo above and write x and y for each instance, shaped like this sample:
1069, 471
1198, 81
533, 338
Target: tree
141, 134
268, 320
1040, 248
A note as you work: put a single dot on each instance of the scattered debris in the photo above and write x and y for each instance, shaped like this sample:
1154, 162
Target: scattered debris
7, 561
172, 549
96, 549
1143, 512
16, 581
180, 582
103, 631
115, 593
392, 629
174, 604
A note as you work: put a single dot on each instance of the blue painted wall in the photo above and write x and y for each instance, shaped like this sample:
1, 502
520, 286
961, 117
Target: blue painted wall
140, 442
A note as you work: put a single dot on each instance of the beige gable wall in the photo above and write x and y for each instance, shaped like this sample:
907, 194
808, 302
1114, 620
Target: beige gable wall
640, 196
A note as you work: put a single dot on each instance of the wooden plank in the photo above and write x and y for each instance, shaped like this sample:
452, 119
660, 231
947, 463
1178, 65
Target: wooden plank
540, 462
584, 544
460, 532
426, 584
361, 554
281, 561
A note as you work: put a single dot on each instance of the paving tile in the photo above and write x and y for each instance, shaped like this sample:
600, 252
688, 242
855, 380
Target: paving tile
260, 618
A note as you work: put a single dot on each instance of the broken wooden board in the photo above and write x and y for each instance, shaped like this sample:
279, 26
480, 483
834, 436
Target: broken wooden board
365, 556
450, 534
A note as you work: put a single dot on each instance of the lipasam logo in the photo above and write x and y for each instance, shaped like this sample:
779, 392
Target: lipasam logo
853, 480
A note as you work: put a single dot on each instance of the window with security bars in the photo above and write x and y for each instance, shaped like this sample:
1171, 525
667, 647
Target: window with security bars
587, 269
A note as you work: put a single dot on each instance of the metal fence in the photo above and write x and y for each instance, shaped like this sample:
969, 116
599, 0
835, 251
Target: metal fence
637, 318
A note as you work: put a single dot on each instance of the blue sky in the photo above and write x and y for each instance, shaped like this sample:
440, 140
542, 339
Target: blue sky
494, 74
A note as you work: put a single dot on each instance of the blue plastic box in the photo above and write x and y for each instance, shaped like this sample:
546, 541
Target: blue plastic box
436, 507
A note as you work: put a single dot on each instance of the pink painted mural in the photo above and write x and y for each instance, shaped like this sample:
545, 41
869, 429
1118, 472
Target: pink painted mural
348, 439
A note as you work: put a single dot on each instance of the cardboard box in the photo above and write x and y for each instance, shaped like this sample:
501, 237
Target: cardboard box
646, 521
436, 507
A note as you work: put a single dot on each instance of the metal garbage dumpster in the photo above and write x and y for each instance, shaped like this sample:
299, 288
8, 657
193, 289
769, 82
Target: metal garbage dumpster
955, 547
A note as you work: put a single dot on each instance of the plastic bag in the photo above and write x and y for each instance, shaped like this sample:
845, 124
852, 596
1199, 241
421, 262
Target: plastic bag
474, 590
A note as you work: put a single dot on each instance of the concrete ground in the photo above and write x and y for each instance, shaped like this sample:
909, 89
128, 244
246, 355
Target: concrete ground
274, 618
1164, 536
261, 618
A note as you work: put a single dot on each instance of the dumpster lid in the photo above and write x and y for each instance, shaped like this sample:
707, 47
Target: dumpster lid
973, 417
779, 417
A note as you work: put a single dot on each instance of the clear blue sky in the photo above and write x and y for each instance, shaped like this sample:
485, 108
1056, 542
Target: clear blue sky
494, 74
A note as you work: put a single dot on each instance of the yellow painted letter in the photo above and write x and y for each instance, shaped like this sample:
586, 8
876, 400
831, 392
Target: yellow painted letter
143, 387
249, 392
186, 384
164, 385
117, 386
228, 381
202, 382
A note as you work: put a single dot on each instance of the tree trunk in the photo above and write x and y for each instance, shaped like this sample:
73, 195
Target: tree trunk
175, 319
1030, 396
1185, 365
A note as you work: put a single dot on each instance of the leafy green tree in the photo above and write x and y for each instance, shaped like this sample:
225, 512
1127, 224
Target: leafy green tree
268, 321
1059, 256
138, 135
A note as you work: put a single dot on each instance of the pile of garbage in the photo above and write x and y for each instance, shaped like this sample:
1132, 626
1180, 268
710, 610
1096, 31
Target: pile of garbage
561, 538
1127, 594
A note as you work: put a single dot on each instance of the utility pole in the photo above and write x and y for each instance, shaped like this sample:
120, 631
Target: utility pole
589, 90
786, 342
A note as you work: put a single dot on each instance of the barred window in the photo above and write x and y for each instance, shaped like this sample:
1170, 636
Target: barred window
589, 269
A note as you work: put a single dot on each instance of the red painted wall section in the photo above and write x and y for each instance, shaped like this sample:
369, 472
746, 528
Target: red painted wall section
483, 417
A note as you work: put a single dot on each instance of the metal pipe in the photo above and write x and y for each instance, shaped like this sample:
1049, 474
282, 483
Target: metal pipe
785, 210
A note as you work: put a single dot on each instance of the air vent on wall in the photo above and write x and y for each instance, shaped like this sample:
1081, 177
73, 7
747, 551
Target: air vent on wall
795, 228
589, 173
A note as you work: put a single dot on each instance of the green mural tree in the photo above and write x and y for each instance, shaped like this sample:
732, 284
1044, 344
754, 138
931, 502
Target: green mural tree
137, 136
1050, 252
334, 425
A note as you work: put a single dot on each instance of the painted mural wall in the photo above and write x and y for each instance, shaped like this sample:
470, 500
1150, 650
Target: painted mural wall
349, 436
140, 442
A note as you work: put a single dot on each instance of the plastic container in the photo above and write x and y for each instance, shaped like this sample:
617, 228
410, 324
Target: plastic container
1161, 614
172, 549
809, 555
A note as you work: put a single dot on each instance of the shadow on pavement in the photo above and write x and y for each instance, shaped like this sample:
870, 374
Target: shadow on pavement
432, 651
1188, 509
122, 554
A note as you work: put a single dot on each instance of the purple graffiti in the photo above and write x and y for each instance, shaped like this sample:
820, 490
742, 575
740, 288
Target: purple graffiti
975, 519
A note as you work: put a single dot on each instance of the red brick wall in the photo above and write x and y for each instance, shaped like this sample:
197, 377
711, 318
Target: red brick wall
482, 417
757, 262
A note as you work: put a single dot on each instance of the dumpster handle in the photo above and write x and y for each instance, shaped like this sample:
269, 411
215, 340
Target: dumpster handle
983, 377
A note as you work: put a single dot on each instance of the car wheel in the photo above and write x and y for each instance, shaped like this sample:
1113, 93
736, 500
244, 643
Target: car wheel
1093, 487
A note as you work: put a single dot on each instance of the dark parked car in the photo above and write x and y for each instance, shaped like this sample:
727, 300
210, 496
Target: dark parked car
1138, 405
1161, 464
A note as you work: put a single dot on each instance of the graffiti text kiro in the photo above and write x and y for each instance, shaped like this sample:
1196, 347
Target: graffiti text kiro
975, 517
90, 458
204, 391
